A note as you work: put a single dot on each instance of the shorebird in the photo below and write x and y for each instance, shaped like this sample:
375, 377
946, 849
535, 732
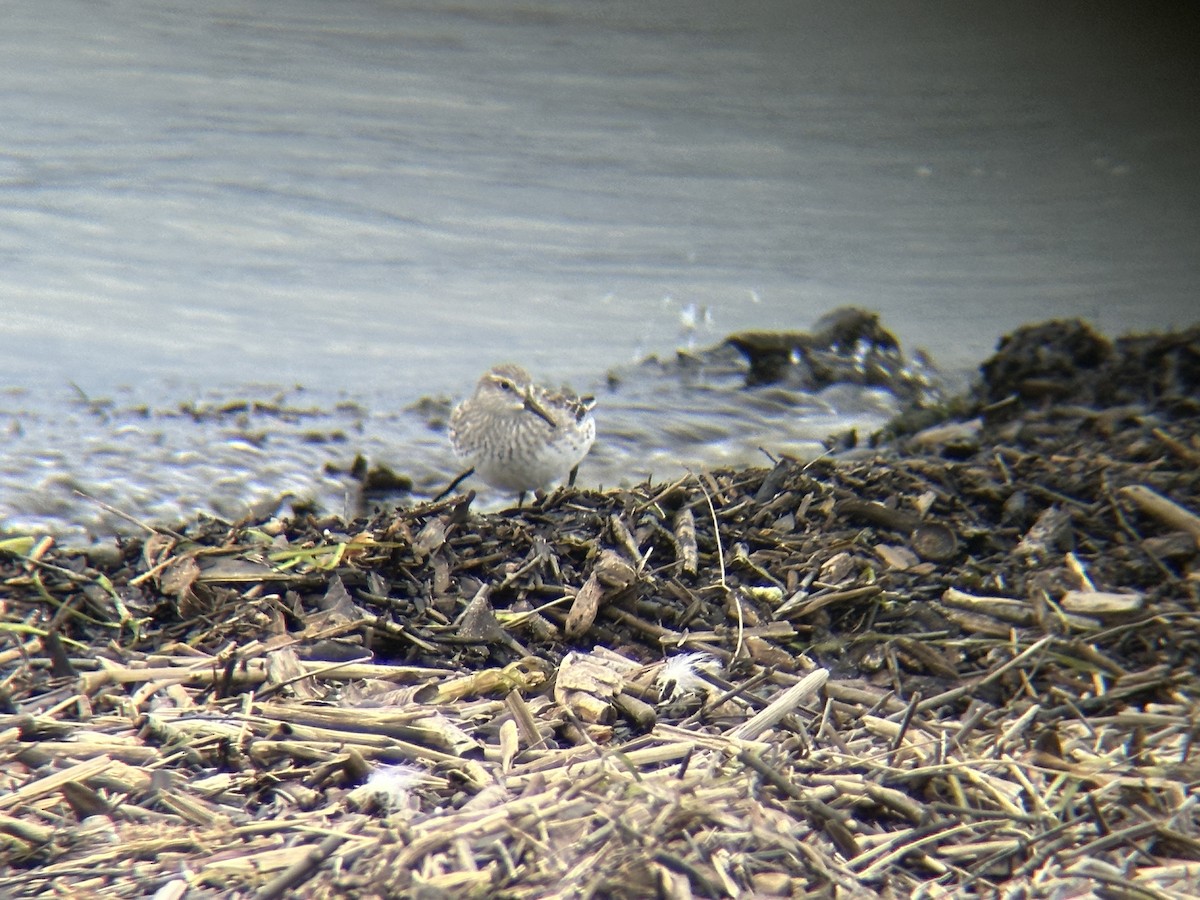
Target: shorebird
519, 436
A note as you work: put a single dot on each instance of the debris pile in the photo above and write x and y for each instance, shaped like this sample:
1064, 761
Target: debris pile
963, 664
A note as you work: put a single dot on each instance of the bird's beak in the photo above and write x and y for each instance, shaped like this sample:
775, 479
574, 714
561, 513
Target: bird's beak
537, 409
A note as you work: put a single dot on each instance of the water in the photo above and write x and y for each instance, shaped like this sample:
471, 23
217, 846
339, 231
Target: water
376, 200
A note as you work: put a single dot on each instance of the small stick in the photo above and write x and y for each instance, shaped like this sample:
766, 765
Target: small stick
904, 724
782, 705
1183, 451
712, 511
128, 518
455, 483
302, 869
1166, 511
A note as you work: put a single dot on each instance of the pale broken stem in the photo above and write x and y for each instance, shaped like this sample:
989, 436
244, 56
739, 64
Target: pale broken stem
737, 601
782, 705
973, 686
1166, 511
127, 517
1183, 451
78, 773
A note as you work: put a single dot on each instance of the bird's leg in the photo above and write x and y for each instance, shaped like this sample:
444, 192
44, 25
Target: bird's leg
571, 477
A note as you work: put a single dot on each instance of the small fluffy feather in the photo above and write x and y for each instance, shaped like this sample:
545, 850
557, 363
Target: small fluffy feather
390, 785
680, 674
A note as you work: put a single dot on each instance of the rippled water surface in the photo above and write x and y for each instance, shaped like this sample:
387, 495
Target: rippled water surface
377, 200
76, 465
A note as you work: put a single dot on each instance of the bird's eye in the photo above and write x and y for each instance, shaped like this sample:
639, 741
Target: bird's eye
506, 385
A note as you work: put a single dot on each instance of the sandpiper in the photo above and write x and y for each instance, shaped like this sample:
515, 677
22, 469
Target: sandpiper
519, 436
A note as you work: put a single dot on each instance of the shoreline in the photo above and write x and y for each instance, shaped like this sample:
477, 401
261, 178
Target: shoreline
962, 660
